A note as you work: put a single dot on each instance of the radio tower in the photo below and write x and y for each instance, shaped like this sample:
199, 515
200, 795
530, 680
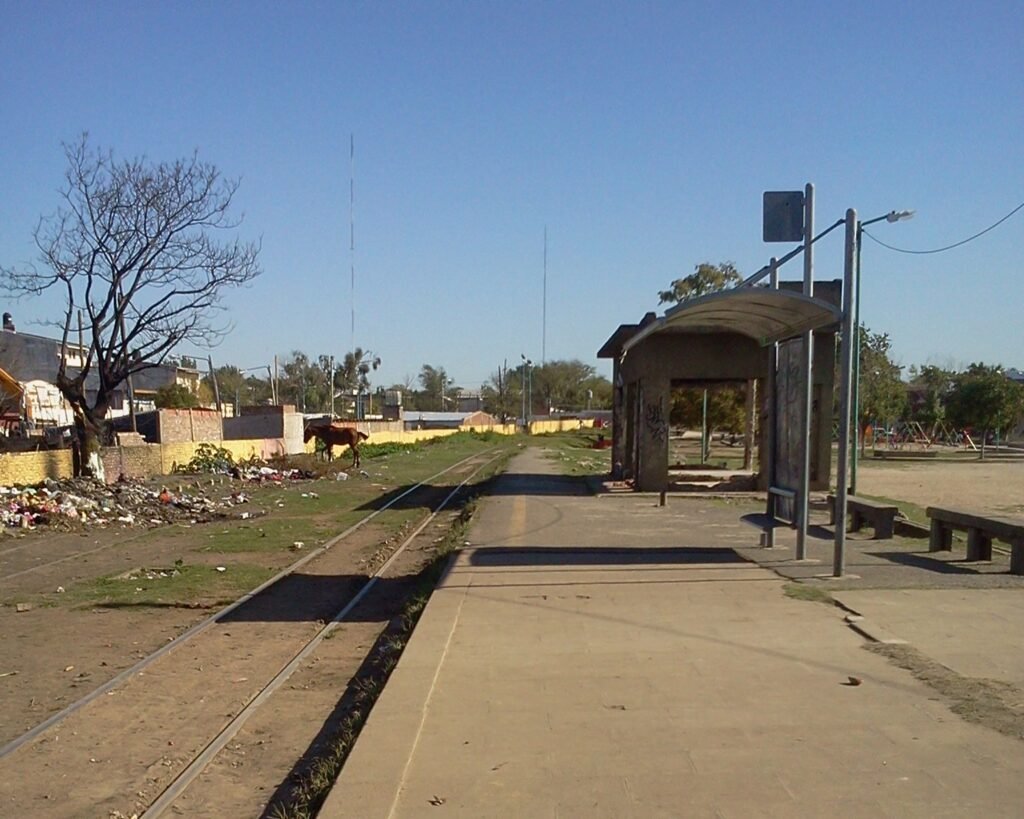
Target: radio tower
352, 229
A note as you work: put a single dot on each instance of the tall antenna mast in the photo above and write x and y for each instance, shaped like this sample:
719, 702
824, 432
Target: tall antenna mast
352, 228
544, 313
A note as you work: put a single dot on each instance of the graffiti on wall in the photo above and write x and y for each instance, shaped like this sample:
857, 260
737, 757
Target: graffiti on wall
657, 426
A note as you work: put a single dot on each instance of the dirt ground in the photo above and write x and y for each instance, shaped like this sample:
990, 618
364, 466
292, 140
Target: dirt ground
137, 736
991, 486
54, 655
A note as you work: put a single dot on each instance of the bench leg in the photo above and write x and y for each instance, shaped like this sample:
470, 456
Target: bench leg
979, 545
856, 520
1017, 557
885, 527
940, 538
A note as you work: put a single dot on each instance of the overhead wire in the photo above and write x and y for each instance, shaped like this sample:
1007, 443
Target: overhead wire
947, 247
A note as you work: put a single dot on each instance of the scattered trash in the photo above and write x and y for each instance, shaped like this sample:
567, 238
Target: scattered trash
221, 568
20, 607
69, 668
341, 476
9, 674
72, 503
60, 590
853, 681
298, 544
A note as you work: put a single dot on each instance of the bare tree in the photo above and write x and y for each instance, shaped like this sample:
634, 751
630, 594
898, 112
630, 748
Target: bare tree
131, 246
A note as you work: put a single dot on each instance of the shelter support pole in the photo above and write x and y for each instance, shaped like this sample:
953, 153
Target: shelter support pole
771, 426
845, 384
748, 425
803, 495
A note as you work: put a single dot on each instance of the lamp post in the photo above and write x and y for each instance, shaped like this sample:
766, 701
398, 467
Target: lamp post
527, 387
891, 216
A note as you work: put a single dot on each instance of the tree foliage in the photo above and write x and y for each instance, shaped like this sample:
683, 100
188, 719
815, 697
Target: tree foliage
132, 250
438, 388
983, 398
706, 278
353, 371
726, 408
882, 397
176, 396
561, 386
726, 404
927, 393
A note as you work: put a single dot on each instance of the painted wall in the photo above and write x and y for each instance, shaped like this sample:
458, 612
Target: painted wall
150, 460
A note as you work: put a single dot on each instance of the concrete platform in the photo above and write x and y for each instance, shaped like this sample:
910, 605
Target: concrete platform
607, 657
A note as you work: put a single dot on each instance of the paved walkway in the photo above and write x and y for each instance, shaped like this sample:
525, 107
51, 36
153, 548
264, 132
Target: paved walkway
607, 657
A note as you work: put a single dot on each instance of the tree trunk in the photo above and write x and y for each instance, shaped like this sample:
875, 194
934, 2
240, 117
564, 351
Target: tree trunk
984, 437
89, 439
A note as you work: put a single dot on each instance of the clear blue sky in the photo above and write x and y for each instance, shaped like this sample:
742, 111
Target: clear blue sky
641, 134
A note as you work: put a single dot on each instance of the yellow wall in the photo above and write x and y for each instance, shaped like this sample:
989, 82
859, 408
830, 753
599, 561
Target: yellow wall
560, 425
33, 467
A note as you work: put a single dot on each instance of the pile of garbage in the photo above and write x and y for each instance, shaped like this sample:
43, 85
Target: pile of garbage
214, 460
70, 504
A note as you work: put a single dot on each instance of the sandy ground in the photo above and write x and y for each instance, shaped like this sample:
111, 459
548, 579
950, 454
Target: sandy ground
992, 487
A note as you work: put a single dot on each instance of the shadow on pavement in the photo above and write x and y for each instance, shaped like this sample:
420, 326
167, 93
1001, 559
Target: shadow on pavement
498, 556
919, 561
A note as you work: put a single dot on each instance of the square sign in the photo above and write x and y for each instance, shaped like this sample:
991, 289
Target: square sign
783, 216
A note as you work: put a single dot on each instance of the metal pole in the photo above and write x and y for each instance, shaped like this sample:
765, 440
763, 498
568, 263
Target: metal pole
529, 383
846, 356
854, 456
332, 387
772, 420
522, 393
704, 430
803, 497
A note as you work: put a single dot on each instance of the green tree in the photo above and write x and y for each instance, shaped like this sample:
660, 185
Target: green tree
236, 387
984, 399
438, 388
306, 382
568, 386
500, 395
726, 404
726, 408
175, 396
927, 393
133, 249
706, 278
882, 397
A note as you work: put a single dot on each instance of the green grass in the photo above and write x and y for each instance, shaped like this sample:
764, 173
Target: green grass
812, 594
576, 452
179, 585
281, 514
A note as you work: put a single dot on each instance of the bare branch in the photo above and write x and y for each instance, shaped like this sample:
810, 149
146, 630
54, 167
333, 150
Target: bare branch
134, 246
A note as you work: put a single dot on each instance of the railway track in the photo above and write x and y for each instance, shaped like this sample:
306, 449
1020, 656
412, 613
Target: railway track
273, 632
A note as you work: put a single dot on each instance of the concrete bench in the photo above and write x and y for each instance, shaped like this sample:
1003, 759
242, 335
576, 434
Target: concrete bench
981, 531
881, 516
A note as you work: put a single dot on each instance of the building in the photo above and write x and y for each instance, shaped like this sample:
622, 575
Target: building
32, 362
447, 420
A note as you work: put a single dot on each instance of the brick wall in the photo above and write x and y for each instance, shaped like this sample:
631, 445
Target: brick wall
177, 425
33, 467
140, 461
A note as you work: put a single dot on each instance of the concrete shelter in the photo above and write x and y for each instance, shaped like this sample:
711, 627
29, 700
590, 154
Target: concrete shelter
726, 336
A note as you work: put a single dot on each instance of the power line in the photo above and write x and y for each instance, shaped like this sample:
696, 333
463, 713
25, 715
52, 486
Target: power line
947, 247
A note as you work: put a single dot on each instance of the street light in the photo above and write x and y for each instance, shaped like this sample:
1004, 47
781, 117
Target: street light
891, 216
528, 383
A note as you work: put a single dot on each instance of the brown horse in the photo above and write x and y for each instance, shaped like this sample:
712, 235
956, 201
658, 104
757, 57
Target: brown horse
332, 435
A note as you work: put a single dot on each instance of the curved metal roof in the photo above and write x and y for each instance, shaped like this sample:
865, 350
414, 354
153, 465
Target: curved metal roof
761, 313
